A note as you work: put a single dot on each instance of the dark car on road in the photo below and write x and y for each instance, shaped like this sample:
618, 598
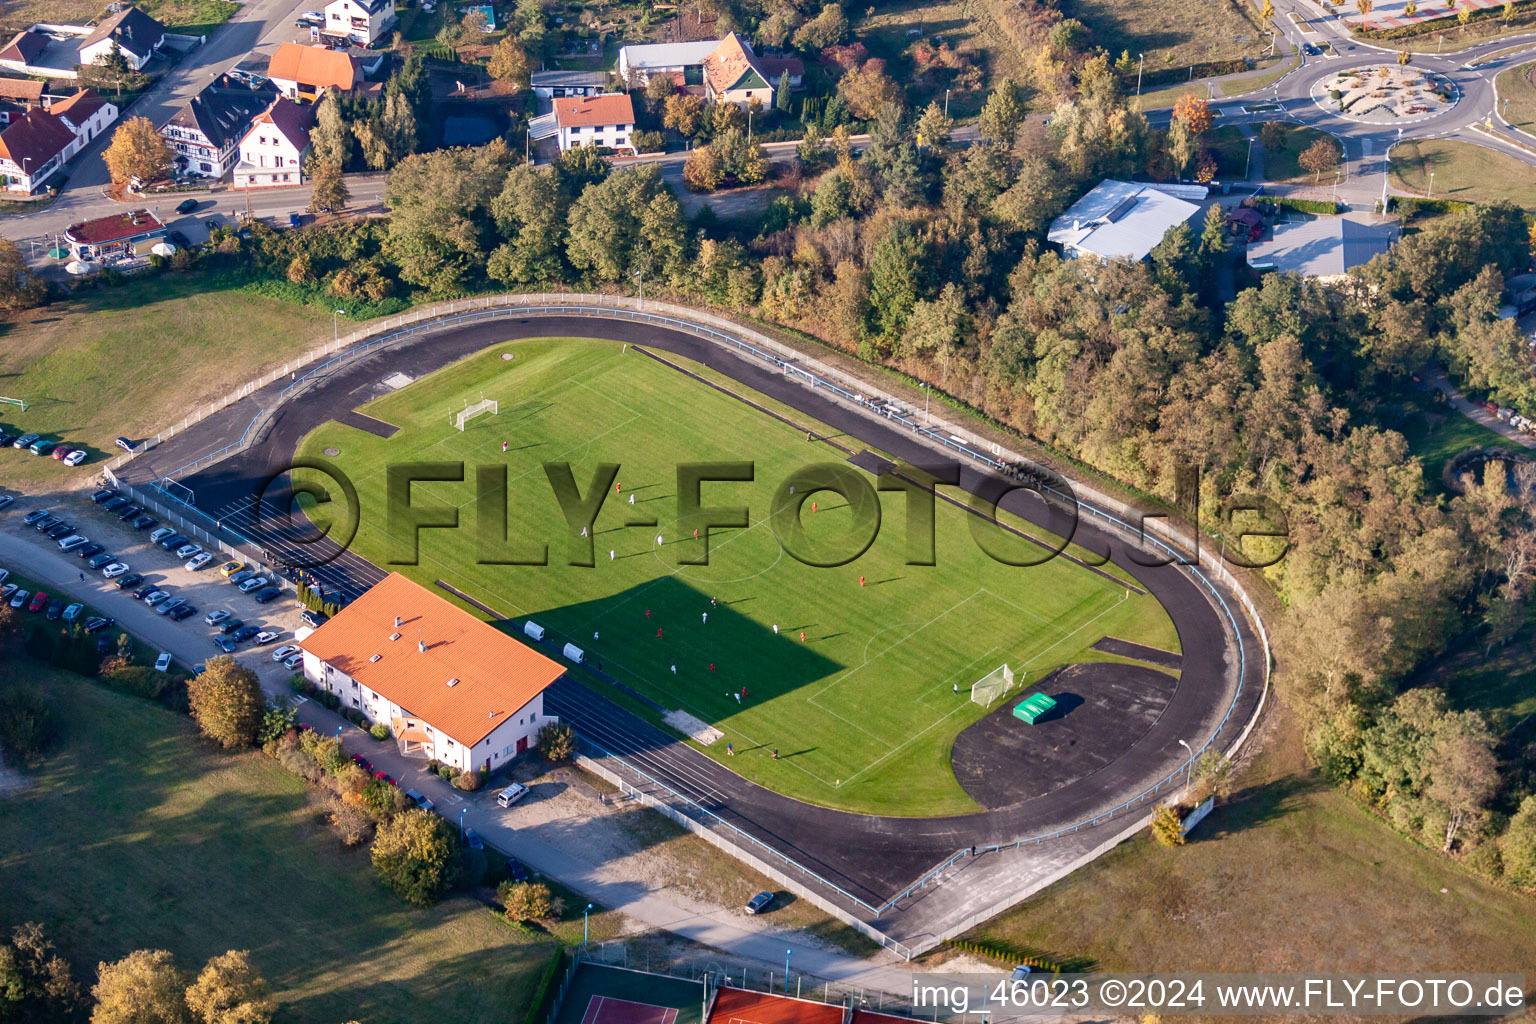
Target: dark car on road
61, 530
113, 504
516, 871
133, 579
266, 594
186, 206
224, 644
105, 494
145, 591
100, 559
243, 634
184, 611
145, 522
230, 625
174, 541
89, 551
128, 513
98, 624
759, 903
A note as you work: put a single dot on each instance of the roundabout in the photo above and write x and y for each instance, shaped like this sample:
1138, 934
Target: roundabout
1385, 94
862, 863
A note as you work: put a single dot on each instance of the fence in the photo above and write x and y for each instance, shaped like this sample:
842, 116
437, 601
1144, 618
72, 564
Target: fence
1110, 512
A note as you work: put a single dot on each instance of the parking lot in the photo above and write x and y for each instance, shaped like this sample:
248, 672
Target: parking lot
205, 589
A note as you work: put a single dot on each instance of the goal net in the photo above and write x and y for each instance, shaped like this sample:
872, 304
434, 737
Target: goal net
469, 412
992, 686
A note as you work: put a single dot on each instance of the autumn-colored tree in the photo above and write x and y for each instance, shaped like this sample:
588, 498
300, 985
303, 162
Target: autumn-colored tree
1403, 58
868, 88
683, 114
138, 150
557, 742
144, 987
1167, 828
703, 170
414, 857
227, 702
1509, 9
329, 193
528, 901
1364, 7
19, 289
1410, 8
229, 991
1195, 112
1321, 156
1464, 16
509, 63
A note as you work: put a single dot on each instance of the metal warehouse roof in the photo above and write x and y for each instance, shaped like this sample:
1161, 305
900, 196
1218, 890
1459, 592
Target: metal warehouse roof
1124, 219
1325, 247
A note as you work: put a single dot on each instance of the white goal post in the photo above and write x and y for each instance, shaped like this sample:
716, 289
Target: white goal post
469, 412
992, 687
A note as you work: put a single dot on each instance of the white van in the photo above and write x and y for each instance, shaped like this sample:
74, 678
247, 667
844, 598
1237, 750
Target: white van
73, 541
511, 795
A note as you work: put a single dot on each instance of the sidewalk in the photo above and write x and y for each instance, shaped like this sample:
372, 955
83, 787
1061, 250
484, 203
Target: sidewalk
1475, 412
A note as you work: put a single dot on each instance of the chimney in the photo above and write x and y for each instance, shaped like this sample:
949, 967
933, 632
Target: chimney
397, 622
421, 645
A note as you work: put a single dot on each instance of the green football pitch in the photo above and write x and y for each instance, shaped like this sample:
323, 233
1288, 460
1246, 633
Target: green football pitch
864, 709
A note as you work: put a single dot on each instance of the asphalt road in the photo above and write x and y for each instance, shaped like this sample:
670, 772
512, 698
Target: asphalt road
869, 855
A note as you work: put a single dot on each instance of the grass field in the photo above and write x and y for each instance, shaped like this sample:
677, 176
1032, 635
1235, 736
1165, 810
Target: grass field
1168, 32
964, 28
864, 710
72, 361
134, 835
1463, 172
1517, 86
1289, 874
1282, 162
1230, 149
191, 17
1436, 432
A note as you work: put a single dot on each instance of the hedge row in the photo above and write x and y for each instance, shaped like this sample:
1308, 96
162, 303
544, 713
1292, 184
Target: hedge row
1304, 205
546, 980
1002, 955
1409, 205
1180, 73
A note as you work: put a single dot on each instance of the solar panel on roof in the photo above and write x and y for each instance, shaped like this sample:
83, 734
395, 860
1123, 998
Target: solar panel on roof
1122, 208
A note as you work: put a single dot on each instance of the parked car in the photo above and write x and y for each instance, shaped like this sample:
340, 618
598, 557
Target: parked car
268, 594
24, 441
36, 515
46, 523
385, 777
6, 440
104, 494
759, 903
113, 504
186, 206
73, 612
154, 597
19, 598
97, 561
243, 634
312, 618
163, 663
55, 609
43, 447
188, 550
115, 569
162, 533
74, 541
184, 611
5, 499
98, 624
293, 662
516, 871
89, 550
254, 583
6, 591
228, 569
76, 457
199, 560
128, 512
127, 580
224, 644
173, 542
170, 604
241, 576
59, 451
144, 522
58, 530
511, 795
125, 444
419, 800
39, 601
214, 618
4, 575
230, 625
472, 839
105, 644
266, 636
362, 762
285, 651
145, 591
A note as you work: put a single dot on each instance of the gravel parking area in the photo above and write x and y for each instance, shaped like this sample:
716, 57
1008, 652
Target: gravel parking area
205, 589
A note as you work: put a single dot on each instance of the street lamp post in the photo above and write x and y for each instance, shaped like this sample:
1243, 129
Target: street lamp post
1431, 185
1248, 163
1190, 764
584, 911
946, 104
640, 276
786, 970
1141, 60
462, 811
335, 326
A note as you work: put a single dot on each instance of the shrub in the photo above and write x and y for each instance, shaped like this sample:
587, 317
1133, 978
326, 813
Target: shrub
468, 781
528, 901
139, 680
27, 724
227, 702
557, 742
378, 731
350, 823
1167, 827
415, 858
648, 142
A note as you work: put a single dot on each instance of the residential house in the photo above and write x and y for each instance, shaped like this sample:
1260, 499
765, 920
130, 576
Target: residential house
122, 234
23, 50
274, 147
1324, 247
364, 22
449, 686
37, 143
638, 63
733, 75
1124, 220
556, 84
17, 96
602, 120
136, 34
303, 72
206, 132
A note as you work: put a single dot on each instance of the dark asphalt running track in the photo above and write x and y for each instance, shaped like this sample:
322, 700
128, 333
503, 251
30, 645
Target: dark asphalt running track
871, 856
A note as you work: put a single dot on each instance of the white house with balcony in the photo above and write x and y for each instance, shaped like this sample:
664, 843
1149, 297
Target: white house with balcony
205, 133
274, 147
364, 22
606, 120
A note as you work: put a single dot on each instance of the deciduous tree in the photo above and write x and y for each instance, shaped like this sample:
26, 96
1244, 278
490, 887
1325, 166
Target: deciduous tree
527, 901
1321, 156
1195, 112
227, 702
329, 192
138, 150
509, 63
145, 987
229, 991
1002, 115
684, 114
414, 857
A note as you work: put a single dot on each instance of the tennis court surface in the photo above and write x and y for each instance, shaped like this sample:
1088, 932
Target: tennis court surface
617, 995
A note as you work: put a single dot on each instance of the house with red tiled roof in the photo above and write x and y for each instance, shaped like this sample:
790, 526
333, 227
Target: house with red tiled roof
606, 119
447, 685
37, 143
273, 150
732, 74
304, 72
